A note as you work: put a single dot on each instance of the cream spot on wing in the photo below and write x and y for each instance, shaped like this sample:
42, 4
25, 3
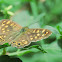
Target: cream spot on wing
37, 31
7, 30
28, 32
34, 31
26, 42
3, 24
0, 36
8, 22
3, 31
43, 34
3, 28
23, 40
0, 27
4, 21
12, 24
6, 26
38, 34
46, 32
30, 35
43, 31
31, 38
4, 36
35, 37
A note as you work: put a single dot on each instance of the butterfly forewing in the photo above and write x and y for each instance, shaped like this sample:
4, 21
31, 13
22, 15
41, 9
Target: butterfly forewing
38, 34
21, 41
7, 27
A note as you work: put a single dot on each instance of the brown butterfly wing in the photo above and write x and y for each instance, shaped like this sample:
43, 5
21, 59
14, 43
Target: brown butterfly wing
29, 36
21, 41
38, 34
7, 27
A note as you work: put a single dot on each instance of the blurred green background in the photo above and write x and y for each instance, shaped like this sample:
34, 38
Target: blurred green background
35, 14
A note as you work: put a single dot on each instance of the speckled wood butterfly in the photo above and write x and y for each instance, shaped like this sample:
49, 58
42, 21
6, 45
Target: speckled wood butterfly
18, 36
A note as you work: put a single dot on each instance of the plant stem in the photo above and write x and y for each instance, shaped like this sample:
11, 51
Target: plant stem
4, 51
34, 8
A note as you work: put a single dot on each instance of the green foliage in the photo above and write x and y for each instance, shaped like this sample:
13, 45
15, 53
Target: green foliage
35, 14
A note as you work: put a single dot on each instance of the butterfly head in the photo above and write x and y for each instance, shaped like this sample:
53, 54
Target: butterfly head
24, 29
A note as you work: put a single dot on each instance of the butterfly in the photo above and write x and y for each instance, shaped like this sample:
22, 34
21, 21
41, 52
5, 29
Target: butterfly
18, 36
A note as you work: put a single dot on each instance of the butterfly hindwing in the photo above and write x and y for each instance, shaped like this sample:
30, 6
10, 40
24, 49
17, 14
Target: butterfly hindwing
21, 41
2, 39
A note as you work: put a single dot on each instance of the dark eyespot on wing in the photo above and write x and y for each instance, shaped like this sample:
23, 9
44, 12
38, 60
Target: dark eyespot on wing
45, 32
13, 42
18, 43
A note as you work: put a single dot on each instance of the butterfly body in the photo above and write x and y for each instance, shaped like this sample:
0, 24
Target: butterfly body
17, 36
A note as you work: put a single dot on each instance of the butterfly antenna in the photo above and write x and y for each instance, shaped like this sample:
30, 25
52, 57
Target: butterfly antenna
37, 19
